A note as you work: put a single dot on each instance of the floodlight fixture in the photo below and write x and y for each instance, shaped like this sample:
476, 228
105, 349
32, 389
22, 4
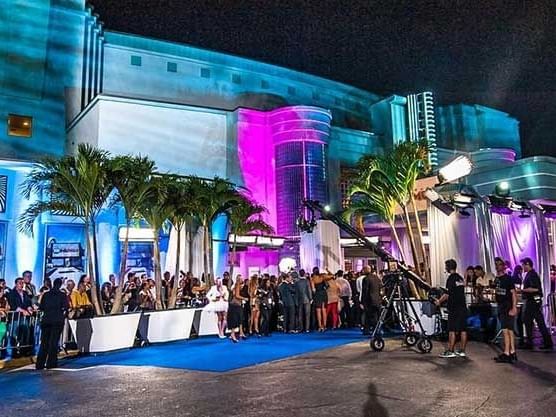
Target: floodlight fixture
456, 169
502, 189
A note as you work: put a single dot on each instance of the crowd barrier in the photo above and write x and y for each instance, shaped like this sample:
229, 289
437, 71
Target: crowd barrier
19, 334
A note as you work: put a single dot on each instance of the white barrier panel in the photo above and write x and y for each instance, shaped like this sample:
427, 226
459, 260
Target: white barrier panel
105, 333
169, 325
208, 325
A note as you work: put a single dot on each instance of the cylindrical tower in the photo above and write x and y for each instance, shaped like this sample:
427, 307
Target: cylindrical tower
300, 135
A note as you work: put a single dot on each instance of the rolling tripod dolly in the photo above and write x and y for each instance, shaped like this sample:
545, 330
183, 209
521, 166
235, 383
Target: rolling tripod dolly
397, 285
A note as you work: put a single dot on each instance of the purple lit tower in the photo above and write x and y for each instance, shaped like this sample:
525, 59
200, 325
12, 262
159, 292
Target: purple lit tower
283, 160
300, 135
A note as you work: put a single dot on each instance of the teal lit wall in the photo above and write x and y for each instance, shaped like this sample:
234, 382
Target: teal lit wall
40, 53
472, 127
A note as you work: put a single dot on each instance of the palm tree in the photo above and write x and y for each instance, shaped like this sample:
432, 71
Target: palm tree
156, 210
73, 185
245, 218
131, 176
390, 180
180, 200
213, 198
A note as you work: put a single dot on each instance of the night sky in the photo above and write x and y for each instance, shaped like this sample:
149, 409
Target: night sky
496, 53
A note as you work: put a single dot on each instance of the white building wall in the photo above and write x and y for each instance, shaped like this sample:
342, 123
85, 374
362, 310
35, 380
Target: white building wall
180, 139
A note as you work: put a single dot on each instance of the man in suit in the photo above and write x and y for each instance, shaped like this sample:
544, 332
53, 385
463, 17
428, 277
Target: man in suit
54, 306
371, 298
304, 297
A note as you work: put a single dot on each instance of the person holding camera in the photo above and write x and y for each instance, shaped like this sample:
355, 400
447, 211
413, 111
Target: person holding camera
457, 311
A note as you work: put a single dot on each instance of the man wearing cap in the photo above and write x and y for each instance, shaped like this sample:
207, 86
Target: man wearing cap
532, 294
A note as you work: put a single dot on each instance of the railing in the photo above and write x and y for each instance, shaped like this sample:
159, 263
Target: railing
19, 334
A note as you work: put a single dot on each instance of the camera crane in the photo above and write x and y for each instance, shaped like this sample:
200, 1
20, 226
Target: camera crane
399, 287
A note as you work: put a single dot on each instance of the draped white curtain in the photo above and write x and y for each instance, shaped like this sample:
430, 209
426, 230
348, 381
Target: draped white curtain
451, 237
197, 253
321, 248
514, 238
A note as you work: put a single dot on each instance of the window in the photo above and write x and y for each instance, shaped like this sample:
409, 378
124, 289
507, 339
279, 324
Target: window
236, 78
172, 67
264, 84
205, 73
20, 125
291, 91
136, 60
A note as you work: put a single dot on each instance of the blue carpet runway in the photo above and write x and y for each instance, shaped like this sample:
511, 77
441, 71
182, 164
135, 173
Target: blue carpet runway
220, 355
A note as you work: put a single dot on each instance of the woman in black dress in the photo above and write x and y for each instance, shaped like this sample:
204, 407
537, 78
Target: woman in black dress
320, 298
235, 311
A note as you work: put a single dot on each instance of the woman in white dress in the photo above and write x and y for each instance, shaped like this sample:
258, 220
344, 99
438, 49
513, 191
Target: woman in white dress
218, 303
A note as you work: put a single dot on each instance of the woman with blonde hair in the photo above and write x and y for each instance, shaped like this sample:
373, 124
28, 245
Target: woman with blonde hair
235, 311
255, 305
218, 303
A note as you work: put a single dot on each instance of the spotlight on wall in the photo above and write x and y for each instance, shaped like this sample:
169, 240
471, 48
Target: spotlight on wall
456, 169
437, 201
502, 189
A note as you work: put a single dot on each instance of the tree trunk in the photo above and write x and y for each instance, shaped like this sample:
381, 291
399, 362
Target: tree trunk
426, 272
157, 271
116, 308
411, 239
191, 234
205, 254
233, 259
398, 242
211, 279
92, 274
174, 292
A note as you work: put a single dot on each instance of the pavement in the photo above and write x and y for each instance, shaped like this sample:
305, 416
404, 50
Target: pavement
349, 381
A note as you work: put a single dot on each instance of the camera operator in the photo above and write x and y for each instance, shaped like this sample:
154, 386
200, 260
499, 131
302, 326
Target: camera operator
532, 293
457, 311
506, 298
370, 298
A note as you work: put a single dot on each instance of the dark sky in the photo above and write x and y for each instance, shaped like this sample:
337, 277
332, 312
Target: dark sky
496, 53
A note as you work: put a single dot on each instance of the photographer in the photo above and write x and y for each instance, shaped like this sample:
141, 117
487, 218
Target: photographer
457, 311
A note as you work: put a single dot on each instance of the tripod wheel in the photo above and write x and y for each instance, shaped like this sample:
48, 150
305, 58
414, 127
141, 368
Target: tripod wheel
424, 345
377, 344
410, 339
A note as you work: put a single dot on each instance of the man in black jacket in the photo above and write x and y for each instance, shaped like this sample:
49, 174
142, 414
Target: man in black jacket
532, 293
54, 305
371, 298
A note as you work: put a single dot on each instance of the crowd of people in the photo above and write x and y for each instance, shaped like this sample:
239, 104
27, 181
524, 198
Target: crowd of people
293, 302
507, 285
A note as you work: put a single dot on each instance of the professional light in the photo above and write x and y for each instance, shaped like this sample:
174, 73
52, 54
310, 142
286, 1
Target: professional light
286, 264
458, 168
327, 208
136, 234
502, 189
462, 199
437, 201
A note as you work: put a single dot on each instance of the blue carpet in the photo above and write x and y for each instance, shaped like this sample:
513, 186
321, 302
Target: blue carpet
216, 355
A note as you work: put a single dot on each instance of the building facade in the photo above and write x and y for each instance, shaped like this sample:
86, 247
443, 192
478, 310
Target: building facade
282, 134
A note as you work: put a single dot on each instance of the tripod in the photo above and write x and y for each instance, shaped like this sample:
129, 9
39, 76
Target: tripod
407, 320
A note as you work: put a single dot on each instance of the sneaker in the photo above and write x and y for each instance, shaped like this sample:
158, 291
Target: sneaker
448, 354
461, 353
